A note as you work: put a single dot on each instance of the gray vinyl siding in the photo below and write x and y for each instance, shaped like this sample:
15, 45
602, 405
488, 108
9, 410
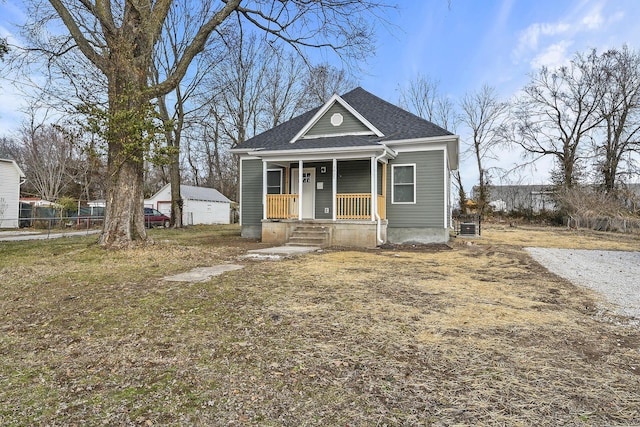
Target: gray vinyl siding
251, 207
428, 211
354, 176
350, 123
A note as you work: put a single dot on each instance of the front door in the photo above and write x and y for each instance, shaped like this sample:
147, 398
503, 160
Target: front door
308, 190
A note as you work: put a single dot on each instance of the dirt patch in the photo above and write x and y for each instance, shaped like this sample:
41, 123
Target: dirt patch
416, 247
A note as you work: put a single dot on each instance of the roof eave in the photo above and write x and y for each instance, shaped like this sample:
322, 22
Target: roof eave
452, 142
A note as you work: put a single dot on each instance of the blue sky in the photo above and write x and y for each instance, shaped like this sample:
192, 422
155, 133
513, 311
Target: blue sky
463, 44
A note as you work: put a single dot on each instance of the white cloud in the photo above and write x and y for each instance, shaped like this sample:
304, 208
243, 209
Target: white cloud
593, 20
553, 56
530, 38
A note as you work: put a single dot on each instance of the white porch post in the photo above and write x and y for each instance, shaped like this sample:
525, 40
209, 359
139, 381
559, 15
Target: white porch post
374, 183
334, 188
264, 189
300, 181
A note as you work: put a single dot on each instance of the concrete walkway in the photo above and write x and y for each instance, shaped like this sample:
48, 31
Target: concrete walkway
279, 252
202, 274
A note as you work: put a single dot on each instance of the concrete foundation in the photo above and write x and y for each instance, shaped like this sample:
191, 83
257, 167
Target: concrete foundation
418, 235
251, 231
362, 234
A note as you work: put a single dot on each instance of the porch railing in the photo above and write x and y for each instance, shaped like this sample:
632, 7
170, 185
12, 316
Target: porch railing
348, 206
282, 206
358, 206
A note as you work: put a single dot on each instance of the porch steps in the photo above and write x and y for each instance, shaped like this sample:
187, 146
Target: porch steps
309, 235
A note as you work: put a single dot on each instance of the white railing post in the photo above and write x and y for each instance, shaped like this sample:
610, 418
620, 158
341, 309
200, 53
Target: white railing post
264, 189
374, 183
334, 188
300, 182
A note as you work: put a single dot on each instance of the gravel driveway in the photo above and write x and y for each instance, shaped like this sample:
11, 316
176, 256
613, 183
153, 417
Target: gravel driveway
614, 274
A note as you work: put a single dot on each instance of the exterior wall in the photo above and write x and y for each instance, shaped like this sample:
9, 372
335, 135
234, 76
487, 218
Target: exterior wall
161, 201
354, 176
207, 212
193, 211
9, 195
428, 211
425, 220
251, 201
350, 124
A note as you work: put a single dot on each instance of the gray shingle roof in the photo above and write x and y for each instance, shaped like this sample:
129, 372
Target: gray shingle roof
394, 122
190, 192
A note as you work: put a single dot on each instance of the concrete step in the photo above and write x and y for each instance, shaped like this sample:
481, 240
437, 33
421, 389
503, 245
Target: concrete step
309, 235
297, 240
306, 233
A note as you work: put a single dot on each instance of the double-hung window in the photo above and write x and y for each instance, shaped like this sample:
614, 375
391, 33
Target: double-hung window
274, 181
403, 185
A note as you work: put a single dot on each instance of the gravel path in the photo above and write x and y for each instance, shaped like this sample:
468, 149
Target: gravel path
614, 274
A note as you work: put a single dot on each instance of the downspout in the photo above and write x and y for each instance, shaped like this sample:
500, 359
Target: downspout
375, 203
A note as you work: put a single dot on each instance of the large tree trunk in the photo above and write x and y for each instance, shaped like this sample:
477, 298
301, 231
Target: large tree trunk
124, 213
176, 196
128, 138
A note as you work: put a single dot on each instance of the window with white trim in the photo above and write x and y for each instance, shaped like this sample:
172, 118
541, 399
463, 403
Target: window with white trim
274, 181
403, 183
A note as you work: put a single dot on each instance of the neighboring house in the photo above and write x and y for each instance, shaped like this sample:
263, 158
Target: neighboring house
11, 177
358, 170
522, 198
201, 205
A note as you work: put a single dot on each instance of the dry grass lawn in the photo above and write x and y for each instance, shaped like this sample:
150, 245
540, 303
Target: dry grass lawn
478, 334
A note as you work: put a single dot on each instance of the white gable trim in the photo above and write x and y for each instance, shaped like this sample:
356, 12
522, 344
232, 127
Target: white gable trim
321, 112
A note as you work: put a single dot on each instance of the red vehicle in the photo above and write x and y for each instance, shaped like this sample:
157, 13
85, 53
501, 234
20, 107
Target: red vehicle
155, 218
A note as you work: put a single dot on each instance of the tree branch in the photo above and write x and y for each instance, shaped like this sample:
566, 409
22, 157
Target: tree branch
76, 33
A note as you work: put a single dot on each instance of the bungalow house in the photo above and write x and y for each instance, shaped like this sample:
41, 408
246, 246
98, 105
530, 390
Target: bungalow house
11, 177
200, 205
357, 171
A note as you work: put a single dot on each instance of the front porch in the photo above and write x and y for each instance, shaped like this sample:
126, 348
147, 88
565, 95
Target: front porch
345, 197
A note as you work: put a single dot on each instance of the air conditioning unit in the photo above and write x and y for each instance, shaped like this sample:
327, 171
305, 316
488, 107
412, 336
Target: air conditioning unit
468, 229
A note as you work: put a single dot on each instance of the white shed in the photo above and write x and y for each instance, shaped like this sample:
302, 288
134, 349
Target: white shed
201, 205
11, 177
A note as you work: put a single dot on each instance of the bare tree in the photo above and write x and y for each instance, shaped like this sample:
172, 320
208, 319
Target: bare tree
423, 98
559, 112
4, 47
620, 111
47, 156
176, 114
284, 92
119, 38
325, 80
483, 114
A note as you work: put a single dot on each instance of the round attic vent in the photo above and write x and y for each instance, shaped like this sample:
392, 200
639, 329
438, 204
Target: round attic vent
337, 119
